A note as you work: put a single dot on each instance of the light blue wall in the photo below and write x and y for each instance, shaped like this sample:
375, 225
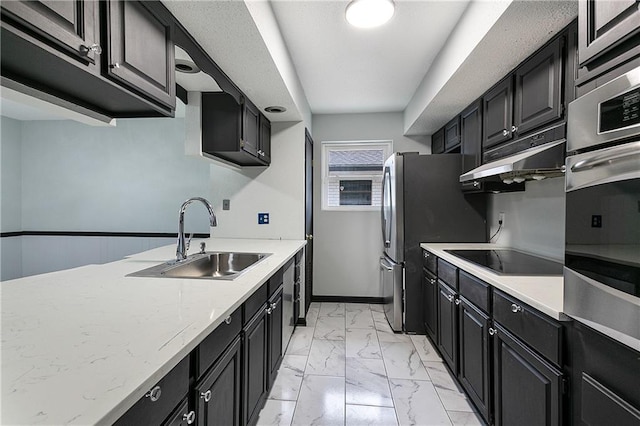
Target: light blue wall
10, 174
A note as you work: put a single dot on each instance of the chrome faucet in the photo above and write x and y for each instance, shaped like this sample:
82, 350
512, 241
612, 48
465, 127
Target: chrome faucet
181, 251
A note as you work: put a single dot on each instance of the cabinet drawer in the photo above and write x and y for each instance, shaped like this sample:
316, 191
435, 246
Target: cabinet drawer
542, 334
161, 399
216, 342
255, 302
448, 273
474, 290
276, 280
430, 261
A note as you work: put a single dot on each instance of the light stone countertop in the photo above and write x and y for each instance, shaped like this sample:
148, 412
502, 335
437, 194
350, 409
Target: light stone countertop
81, 346
544, 293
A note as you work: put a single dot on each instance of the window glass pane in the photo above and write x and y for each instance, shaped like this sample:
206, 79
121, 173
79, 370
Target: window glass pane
354, 160
355, 192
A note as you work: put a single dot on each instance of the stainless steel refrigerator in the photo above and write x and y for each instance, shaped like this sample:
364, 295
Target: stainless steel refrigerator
421, 202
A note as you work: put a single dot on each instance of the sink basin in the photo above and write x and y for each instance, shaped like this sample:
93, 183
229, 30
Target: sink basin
208, 265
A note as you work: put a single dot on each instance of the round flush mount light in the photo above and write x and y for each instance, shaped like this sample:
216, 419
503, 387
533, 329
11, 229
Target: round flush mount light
275, 109
369, 13
187, 67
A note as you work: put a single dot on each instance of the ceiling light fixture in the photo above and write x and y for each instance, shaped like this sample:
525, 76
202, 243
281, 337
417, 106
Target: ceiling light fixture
275, 109
369, 13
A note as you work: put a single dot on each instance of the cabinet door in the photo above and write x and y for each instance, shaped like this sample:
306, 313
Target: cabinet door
447, 325
527, 390
497, 114
430, 299
537, 97
71, 25
250, 129
452, 134
217, 396
475, 355
471, 142
602, 24
437, 142
140, 50
265, 139
275, 335
255, 366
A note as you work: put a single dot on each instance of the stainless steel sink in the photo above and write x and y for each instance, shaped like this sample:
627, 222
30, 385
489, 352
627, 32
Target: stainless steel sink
208, 265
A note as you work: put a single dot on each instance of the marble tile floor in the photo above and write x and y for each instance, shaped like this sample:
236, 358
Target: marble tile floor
347, 367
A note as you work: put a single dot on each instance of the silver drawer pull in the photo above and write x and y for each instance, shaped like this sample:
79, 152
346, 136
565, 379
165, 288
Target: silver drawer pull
426, 255
269, 310
154, 394
206, 396
432, 280
227, 320
449, 297
457, 301
190, 417
516, 308
493, 331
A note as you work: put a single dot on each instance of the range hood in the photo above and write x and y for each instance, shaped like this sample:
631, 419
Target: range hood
535, 163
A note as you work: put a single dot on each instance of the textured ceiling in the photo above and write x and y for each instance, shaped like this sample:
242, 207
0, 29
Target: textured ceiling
345, 69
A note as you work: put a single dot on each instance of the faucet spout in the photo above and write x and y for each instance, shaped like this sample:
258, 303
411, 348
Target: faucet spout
181, 250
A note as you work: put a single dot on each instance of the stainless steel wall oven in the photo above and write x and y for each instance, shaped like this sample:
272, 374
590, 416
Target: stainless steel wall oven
602, 254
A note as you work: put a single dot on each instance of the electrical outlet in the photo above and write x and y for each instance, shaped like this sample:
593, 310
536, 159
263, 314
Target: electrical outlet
226, 204
501, 218
263, 218
596, 221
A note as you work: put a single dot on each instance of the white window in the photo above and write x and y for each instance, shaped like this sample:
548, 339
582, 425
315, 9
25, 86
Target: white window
352, 174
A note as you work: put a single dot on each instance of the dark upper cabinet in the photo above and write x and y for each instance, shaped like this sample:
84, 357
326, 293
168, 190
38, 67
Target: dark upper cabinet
265, 139
255, 347
140, 52
452, 134
105, 59
217, 396
498, 114
448, 325
604, 24
231, 130
527, 390
471, 142
538, 89
430, 300
69, 26
475, 360
437, 142
274, 323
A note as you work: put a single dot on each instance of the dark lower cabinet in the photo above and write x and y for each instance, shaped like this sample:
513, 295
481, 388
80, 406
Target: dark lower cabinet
217, 396
448, 325
475, 359
182, 416
274, 322
255, 348
430, 301
527, 389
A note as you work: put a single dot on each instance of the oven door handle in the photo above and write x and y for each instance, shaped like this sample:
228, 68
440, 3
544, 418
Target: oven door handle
623, 153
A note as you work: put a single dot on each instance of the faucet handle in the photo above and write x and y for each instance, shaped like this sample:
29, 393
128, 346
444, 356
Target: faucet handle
203, 246
188, 243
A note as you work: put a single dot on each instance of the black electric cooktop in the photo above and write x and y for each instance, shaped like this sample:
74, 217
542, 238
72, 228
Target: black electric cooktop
510, 262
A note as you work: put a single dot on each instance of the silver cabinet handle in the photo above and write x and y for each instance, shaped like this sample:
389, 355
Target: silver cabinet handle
154, 394
516, 308
114, 66
432, 280
190, 417
269, 310
514, 129
94, 48
227, 320
505, 132
476, 184
274, 306
450, 297
493, 331
426, 254
206, 396
457, 301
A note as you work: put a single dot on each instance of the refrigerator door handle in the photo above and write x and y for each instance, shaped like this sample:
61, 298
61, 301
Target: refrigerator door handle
386, 239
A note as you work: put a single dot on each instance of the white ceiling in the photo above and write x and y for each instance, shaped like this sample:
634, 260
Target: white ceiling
344, 69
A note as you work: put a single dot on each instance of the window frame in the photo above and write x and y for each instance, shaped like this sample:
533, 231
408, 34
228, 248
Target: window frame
326, 146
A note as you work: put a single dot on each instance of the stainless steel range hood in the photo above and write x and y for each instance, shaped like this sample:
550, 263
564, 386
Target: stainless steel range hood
535, 163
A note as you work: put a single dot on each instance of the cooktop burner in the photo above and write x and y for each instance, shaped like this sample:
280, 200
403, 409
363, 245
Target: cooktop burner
510, 262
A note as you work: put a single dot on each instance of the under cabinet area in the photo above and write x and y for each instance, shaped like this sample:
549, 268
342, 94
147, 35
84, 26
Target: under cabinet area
507, 356
112, 57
